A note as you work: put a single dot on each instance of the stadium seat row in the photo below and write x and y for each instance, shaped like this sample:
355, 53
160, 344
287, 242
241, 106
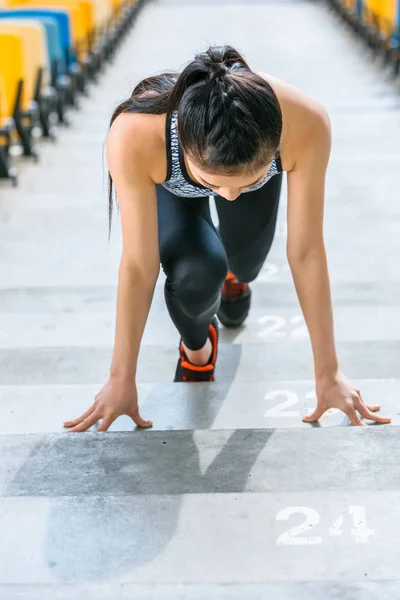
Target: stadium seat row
385, 13
378, 22
49, 51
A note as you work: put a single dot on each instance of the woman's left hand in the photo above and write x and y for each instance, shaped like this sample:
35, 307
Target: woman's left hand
338, 392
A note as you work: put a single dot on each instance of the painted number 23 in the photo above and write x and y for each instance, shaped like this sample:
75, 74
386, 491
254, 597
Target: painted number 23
290, 399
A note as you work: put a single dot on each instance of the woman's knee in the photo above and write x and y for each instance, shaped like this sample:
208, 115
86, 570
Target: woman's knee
195, 282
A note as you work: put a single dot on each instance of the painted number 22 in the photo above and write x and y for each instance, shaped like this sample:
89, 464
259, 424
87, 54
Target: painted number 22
274, 326
293, 537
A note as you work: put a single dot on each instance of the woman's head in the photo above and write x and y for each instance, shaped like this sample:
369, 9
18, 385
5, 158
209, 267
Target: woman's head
229, 119
228, 186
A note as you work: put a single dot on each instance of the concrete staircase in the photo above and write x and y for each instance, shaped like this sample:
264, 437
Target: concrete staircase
231, 495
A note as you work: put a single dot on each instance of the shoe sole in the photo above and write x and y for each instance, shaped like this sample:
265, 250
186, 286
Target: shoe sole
229, 323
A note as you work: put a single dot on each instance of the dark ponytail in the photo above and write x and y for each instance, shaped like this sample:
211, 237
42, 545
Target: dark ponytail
229, 117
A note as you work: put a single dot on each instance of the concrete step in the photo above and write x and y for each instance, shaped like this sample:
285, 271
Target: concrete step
295, 590
245, 363
269, 324
43, 408
205, 506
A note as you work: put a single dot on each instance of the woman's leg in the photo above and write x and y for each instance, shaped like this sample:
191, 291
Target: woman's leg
194, 261
247, 228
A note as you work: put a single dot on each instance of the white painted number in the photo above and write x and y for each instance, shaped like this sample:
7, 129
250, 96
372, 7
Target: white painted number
279, 410
275, 324
360, 529
277, 327
291, 400
291, 537
337, 528
302, 330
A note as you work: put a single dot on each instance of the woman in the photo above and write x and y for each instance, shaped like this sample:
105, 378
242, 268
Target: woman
238, 131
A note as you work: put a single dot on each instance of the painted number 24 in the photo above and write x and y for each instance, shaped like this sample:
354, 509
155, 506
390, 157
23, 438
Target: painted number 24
293, 536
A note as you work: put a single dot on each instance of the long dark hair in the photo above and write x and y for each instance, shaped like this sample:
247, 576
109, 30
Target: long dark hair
229, 118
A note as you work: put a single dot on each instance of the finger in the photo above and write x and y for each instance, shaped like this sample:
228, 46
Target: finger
86, 424
135, 416
352, 415
106, 422
82, 418
368, 414
371, 407
317, 414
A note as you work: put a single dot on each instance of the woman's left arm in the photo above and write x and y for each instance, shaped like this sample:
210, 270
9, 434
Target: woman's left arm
308, 263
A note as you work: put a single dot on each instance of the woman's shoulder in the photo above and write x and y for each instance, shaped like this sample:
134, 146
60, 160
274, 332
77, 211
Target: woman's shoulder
301, 113
139, 137
293, 97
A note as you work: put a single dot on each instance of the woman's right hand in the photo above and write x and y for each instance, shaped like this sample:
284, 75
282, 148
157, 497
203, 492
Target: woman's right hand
114, 399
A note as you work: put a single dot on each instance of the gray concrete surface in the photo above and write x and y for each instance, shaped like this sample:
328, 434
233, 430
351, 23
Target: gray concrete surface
230, 495
387, 590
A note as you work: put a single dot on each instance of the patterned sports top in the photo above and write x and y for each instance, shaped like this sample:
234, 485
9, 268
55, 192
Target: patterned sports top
178, 181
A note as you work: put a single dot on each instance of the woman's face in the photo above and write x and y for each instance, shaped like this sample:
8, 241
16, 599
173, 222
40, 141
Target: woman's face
228, 186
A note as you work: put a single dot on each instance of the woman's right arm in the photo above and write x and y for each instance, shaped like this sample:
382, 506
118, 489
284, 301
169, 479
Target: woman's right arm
138, 271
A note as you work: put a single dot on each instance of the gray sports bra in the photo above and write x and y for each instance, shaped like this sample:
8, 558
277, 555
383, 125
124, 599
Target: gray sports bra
178, 181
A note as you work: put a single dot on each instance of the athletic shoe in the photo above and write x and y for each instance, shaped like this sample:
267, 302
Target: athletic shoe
235, 302
186, 371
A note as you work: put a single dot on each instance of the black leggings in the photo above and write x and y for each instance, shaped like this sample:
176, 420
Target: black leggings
195, 256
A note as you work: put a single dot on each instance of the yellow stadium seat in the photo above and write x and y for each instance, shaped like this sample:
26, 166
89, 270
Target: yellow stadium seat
118, 5
107, 10
81, 13
17, 98
382, 14
89, 19
7, 170
36, 70
35, 53
102, 12
5, 108
35, 34
12, 72
115, 8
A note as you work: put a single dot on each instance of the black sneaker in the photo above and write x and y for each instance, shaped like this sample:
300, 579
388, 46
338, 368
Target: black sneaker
186, 371
235, 302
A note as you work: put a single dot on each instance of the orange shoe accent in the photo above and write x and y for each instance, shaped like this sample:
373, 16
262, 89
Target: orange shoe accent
200, 372
210, 365
232, 288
